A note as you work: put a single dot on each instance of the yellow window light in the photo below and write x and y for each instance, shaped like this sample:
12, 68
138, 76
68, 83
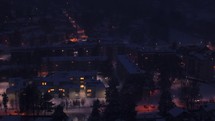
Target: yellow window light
81, 78
81, 86
89, 90
44, 83
62, 90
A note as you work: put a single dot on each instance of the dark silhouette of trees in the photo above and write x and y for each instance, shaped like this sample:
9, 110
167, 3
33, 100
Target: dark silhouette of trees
5, 101
46, 105
164, 82
112, 109
127, 107
189, 94
59, 115
29, 99
165, 103
131, 92
95, 114
112, 91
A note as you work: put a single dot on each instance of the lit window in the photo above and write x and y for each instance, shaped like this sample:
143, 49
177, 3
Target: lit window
62, 90
51, 90
89, 95
74, 39
81, 86
81, 78
89, 90
44, 83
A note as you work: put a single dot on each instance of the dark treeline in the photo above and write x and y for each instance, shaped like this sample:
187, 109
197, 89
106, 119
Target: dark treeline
159, 14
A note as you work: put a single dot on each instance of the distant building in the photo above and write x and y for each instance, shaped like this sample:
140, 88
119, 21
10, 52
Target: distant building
126, 69
199, 66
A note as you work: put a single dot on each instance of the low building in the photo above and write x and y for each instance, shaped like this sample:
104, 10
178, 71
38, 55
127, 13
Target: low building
94, 89
126, 68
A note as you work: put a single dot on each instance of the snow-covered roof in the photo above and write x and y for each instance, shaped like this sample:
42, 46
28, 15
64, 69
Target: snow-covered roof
128, 65
209, 107
176, 111
200, 56
63, 76
183, 38
93, 82
69, 58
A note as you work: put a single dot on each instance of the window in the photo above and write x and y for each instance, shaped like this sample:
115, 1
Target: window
50, 90
89, 90
81, 78
44, 83
62, 90
81, 86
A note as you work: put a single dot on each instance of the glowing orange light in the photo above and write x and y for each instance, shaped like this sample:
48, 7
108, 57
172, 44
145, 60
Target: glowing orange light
73, 40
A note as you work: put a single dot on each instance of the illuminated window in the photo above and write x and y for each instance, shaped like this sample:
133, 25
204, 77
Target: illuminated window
12, 84
89, 95
81, 78
50, 90
89, 90
62, 90
44, 83
81, 86
73, 40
